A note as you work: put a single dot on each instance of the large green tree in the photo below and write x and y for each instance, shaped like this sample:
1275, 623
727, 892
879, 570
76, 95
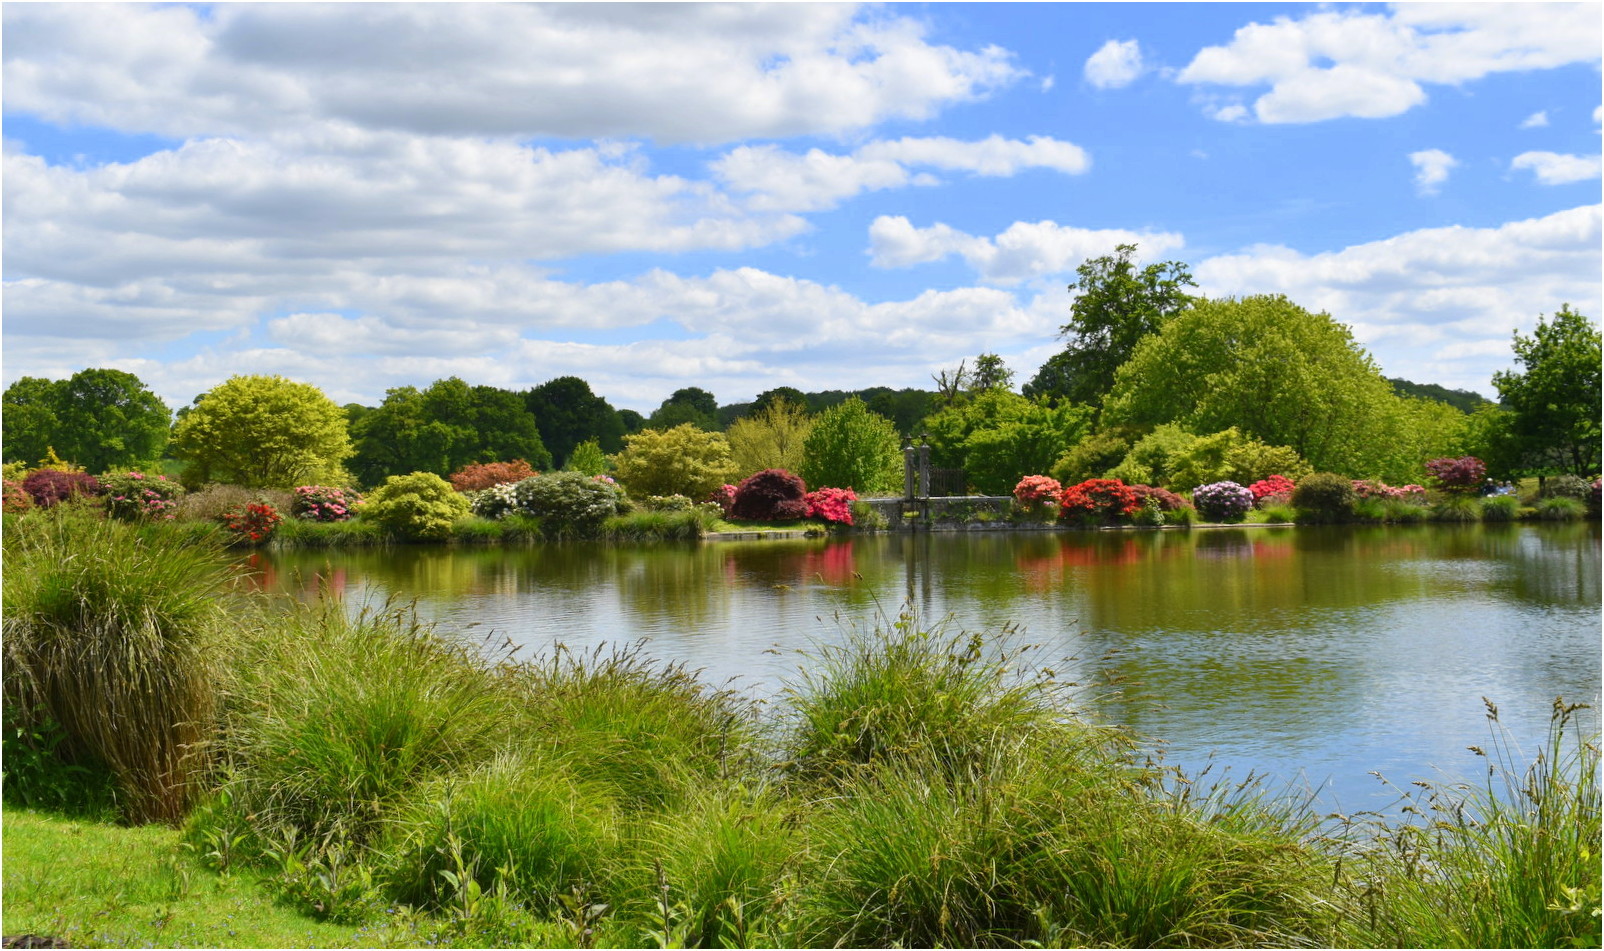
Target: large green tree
28, 419
1115, 307
851, 447
263, 431
690, 404
442, 428
1555, 398
568, 413
100, 419
1275, 371
771, 438
998, 437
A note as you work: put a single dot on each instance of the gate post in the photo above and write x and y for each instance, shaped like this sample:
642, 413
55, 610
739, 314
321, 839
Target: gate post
924, 465
909, 469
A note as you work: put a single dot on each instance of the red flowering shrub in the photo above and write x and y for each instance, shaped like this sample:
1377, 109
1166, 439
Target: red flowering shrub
723, 497
48, 486
770, 496
483, 475
1277, 488
832, 505
255, 523
1036, 491
1099, 500
14, 499
1464, 475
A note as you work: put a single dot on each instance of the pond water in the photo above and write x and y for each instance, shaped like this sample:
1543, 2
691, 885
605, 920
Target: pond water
1311, 656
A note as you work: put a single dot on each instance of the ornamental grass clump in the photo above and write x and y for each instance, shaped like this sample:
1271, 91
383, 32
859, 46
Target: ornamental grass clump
113, 631
1222, 501
773, 495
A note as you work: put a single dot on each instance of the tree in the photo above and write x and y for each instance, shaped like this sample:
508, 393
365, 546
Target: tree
990, 373
771, 438
568, 413
1555, 402
684, 460
100, 419
690, 404
1115, 308
1276, 372
28, 419
263, 432
788, 394
997, 437
443, 428
853, 448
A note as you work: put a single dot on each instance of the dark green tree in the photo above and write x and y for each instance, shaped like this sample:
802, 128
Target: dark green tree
767, 398
1555, 401
568, 413
1115, 307
28, 419
443, 428
690, 404
990, 373
100, 419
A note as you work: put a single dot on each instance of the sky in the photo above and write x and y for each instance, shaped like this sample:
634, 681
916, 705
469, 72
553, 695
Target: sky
741, 197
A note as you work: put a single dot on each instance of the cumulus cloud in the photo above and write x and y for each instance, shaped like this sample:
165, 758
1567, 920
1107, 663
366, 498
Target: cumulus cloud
1431, 169
1115, 64
1025, 250
1334, 64
777, 180
1537, 120
681, 73
1552, 168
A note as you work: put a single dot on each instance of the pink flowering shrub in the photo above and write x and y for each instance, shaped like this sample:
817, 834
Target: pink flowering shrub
15, 500
1376, 489
1464, 475
1036, 491
1098, 500
324, 503
135, 495
832, 505
1272, 490
723, 497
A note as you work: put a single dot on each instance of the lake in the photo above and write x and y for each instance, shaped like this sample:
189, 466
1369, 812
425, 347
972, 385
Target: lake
1309, 655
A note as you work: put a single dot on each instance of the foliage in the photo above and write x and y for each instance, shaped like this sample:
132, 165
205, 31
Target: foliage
46, 487
102, 419
1559, 508
1565, 486
324, 503
588, 458
723, 497
421, 505
1115, 308
773, 495
1466, 401
1034, 492
831, 505
443, 428
1166, 500
771, 438
483, 475
1099, 501
15, 498
262, 432
854, 447
683, 460
1464, 475
254, 523
570, 415
28, 423
690, 404
1555, 402
109, 632
1376, 489
1222, 501
1151, 460
134, 495
1229, 456
568, 503
1274, 371
1091, 457
1324, 497
1500, 508
1276, 488
211, 503
996, 437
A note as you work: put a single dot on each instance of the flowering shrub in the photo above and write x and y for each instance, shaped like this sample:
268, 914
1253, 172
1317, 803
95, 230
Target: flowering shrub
1276, 488
770, 495
486, 474
1222, 501
255, 523
1167, 501
569, 503
1099, 500
48, 486
14, 499
723, 497
669, 503
1376, 489
1037, 491
135, 495
1463, 475
832, 505
498, 501
324, 503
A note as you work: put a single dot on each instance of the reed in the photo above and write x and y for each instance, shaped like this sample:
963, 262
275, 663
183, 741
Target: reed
1500, 508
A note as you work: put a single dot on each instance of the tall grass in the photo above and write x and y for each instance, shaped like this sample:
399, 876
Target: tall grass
1558, 508
660, 525
1500, 508
1455, 508
112, 631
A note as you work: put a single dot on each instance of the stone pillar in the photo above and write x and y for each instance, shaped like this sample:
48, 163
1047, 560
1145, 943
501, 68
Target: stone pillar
924, 465
910, 469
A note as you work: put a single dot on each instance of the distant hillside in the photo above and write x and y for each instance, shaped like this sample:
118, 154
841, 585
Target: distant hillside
1465, 400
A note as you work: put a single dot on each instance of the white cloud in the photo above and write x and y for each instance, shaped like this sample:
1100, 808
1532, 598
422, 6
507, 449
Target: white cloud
697, 73
776, 180
1025, 250
1047, 83
1537, 120
1431, 169
1551, 168
1333, 64
1115, 64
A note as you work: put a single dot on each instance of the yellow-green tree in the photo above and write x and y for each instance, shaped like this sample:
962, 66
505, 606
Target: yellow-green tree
684, 460
263, 432
771, 438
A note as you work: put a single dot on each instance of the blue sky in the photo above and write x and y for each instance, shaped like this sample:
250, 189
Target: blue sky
742, 197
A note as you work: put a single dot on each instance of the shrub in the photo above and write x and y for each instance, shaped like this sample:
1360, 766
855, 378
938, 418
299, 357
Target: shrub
324, 503
1565, 486
211, 503
48, 486
1500, 508
420, 505
1276, 486
483, 475
1099, 500
569, 503
134, 495
1091, 457
1463, 475
770, 495
587, 458
1456, 508
15, 499
1035, 492
1231, 456
723, 497
831, 505
1150, 459
1324, 497
498, 501
1222, 501
254, 523
683, 460
1559, 508
851, 445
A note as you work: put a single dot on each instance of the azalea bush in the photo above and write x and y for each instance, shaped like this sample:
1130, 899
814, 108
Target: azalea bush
14, 498
134, 495
772, 495
723, 497
483, 475
569, 503
253, 523
1375, 489
498, 501
831, 505
1036, 492
1272, 490
1099, 500
1464, 475
324, 503
46, 487
1222, 501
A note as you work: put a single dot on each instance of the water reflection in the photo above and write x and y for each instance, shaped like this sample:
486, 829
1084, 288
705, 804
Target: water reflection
1327, 652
